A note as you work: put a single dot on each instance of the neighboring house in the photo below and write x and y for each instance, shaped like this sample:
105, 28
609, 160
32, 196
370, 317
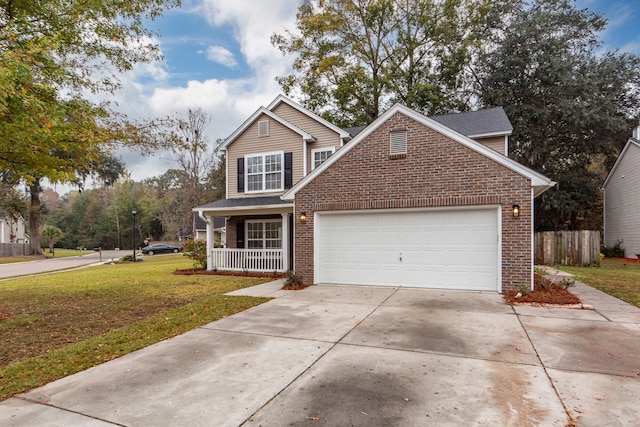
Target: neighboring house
406, 201
622, 199
219, 230
12, 230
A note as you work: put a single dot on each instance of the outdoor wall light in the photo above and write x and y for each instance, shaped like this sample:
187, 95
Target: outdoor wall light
516, 211
303, 217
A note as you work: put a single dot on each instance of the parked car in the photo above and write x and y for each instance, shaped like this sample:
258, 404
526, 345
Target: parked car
159, 248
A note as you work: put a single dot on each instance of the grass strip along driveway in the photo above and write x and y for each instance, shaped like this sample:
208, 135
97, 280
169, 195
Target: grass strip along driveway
55, 325
617, 277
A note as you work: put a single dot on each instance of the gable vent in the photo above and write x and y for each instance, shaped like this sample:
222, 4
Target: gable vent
263, 128
398, 144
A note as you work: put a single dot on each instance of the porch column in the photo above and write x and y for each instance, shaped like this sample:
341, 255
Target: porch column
209, 233
285, 241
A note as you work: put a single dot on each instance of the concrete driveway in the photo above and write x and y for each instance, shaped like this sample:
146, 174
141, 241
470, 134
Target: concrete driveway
367, 356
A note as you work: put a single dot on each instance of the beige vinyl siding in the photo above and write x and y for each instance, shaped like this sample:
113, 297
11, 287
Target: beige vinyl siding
324, 136
622, 203
280, 138
496, 143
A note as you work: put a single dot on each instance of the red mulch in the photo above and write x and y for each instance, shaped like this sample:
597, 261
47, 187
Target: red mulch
202, 272
545, 292
629, 260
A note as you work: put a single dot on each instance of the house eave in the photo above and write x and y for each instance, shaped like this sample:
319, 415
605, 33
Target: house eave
246, 210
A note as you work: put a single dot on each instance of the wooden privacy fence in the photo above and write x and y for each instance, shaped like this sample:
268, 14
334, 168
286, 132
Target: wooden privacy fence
13, 249
579, 248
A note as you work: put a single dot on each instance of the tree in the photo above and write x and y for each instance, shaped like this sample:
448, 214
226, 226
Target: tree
51, 234
189, 185
356, 57
571, 106
50, 49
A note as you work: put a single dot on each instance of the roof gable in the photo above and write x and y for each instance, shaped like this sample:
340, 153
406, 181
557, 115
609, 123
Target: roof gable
632, 143
283, 99
539, 182
254, 117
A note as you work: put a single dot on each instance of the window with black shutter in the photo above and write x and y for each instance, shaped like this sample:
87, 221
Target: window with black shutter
240, 175
288, 170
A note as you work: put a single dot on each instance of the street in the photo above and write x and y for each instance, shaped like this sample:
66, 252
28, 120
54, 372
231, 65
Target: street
54, 264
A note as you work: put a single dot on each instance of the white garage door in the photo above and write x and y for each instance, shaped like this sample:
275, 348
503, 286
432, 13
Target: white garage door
453, 249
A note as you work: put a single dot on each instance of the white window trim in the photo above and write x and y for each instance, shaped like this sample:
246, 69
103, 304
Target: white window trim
263, 221
317, 150
246, 172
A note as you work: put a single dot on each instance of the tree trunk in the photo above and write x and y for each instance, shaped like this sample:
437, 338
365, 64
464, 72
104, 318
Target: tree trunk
34, 218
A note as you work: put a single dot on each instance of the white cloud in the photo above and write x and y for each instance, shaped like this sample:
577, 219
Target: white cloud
221, 55
147, 92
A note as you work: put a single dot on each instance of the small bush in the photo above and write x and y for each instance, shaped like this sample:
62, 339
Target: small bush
567, 283
129, 258
615, 251
293, 280
197, 251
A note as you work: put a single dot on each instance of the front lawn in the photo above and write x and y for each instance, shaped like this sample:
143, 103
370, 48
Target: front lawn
54, 325
617, 277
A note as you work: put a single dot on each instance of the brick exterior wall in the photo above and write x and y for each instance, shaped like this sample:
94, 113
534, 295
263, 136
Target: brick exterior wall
436, 171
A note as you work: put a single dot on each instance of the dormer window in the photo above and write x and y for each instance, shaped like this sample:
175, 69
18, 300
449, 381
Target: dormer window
263, 128
398, 144
319, 155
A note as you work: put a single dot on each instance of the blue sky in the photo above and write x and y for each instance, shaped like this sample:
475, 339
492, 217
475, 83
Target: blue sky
219, 57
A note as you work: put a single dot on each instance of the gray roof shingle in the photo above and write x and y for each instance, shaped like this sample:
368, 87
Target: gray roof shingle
481, 122
245, 202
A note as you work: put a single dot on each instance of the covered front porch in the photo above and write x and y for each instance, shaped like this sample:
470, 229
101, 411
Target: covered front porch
259, 234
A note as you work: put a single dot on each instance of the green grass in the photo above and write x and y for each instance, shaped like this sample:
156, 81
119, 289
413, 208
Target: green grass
14, 259
616, 277
60, 324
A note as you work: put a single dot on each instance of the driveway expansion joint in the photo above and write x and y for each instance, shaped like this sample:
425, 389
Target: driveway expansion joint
26, 399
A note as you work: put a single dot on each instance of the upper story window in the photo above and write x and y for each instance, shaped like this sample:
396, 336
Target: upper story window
263, 128
319, 155
264, 172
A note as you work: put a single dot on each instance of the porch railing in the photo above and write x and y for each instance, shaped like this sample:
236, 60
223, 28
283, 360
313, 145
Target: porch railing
263, 260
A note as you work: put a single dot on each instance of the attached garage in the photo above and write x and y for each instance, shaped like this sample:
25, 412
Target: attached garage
428, 248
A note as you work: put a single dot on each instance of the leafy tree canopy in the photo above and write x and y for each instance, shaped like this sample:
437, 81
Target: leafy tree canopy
354, 58
572, 106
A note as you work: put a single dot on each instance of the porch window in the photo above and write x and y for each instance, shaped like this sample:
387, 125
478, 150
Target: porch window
265, 234
264, 172
320, 155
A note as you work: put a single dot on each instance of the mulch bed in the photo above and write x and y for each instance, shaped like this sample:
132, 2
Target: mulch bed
203, 272
545, 292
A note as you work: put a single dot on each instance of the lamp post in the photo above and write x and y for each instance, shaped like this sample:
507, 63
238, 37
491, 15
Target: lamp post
134, 212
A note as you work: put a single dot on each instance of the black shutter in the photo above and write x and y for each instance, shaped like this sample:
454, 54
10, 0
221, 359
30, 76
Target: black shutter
240, 235
288, 167
240, 175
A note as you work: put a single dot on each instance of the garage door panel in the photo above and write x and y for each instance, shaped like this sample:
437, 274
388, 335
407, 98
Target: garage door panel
455, 249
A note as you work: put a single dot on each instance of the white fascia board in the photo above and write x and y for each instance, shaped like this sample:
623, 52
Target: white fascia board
629, 143
281, 98
491, 134
537, 180
306, 136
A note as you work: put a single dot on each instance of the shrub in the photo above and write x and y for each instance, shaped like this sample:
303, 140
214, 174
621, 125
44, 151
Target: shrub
293, 280
615, 251
197, 251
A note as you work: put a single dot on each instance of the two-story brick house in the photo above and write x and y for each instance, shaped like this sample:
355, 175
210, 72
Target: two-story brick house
406, 201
